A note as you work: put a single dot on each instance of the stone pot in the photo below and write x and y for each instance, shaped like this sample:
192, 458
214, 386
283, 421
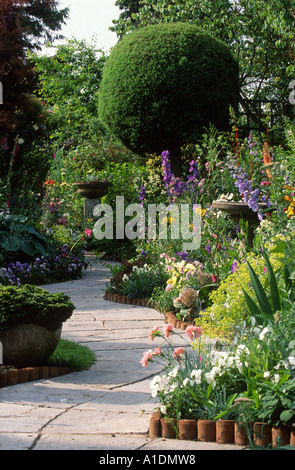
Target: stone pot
28, 345
238, 211
92, 189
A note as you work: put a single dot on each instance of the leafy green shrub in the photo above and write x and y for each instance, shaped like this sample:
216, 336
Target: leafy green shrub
31, 304
162, 84
141, 282
19, 239
229, 308
137, 279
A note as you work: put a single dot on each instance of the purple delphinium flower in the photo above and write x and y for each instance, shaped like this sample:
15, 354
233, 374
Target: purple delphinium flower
142, 194
174, 185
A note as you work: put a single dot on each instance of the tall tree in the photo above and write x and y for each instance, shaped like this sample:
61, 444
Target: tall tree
129, 8
40, 20
23, 25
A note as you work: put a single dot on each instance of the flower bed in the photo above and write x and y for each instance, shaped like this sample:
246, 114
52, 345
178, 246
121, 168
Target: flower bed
61, 266
251, 381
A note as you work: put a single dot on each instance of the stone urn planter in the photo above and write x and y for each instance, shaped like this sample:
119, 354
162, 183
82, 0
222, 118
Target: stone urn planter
240, 211
28, 344
31, 323
92, 189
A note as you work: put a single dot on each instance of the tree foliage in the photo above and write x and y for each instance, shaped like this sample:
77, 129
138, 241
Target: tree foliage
163, 84
71, 76
23, 24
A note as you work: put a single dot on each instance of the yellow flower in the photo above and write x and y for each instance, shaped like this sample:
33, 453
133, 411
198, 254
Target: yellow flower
290, 211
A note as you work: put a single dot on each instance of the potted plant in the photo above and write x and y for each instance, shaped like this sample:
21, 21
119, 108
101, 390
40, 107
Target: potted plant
30, 323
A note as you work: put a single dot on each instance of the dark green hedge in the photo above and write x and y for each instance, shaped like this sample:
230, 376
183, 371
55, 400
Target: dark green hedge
162, 84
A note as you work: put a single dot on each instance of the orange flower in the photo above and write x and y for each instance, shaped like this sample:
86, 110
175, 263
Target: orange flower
51, 182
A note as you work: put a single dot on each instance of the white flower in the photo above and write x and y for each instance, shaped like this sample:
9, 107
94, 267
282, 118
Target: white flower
263, 333
209, 376
155, 381
20, 141
196, 375
174, 371
291, 360
266, 374
163, 409
277, 378
173, 386
155, 385
242, 348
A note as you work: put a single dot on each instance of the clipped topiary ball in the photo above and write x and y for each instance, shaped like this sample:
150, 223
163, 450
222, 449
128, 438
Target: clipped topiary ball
162, 84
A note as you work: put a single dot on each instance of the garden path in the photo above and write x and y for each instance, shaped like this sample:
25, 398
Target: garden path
107, 407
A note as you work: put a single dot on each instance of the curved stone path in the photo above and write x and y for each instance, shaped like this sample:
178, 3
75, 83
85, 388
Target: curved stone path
107, 407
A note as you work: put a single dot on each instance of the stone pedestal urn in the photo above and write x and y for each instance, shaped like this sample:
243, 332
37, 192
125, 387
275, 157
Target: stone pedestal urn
28, 344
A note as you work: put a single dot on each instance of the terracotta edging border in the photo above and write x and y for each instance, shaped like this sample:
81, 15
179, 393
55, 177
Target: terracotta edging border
176, 322
123, 299
30, 374
214, 431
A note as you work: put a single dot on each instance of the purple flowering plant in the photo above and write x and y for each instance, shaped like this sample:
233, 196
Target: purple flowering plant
249, 168
60, 266
174, 185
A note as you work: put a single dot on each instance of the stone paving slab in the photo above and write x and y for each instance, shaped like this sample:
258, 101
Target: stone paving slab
107, 407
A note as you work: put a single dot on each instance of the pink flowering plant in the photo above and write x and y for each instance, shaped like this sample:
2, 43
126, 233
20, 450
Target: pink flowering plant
191, 385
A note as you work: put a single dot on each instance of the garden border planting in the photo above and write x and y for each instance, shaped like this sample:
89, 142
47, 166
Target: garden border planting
221, 431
